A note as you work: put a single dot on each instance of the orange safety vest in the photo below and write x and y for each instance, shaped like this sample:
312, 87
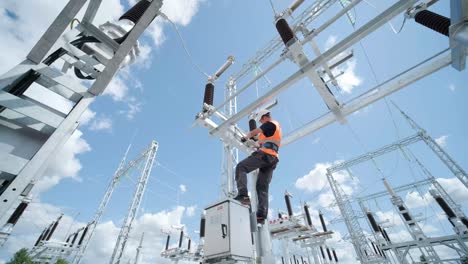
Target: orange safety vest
275, 139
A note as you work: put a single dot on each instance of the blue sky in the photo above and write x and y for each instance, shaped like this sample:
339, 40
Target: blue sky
167, 93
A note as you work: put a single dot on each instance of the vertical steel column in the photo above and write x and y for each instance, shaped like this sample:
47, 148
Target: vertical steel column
231, 154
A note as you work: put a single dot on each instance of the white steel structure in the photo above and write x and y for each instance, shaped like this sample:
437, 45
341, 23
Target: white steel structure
33, 130
139, 255
231, 154
298, 229
74, 248
225, 126
401, 250
145, 162
421, 242
124, 169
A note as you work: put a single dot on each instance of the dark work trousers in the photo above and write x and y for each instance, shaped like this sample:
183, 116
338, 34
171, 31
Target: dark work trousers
266, 164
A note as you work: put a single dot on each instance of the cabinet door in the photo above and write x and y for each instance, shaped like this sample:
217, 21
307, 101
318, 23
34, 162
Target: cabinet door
217, 230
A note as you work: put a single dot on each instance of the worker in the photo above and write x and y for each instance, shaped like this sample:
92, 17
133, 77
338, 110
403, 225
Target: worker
264, 159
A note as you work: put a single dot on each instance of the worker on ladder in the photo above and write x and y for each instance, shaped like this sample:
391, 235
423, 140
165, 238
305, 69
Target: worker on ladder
264, 159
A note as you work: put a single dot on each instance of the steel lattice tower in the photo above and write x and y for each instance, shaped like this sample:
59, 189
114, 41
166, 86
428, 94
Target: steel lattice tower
148, 157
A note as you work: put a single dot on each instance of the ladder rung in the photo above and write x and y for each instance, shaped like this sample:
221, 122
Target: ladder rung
55, 77
30, 109
14, 120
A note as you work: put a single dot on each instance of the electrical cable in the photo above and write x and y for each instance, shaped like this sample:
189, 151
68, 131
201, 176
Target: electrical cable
390, 23
182, 41
273, 7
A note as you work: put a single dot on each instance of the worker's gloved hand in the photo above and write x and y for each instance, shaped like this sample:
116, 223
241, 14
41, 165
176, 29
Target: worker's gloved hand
243, 139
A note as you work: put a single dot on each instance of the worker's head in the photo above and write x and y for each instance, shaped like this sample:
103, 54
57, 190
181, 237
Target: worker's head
263, 116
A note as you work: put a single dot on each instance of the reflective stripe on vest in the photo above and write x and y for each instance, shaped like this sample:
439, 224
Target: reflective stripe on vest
275, 139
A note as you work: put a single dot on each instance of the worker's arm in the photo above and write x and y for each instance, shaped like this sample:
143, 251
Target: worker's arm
252, 134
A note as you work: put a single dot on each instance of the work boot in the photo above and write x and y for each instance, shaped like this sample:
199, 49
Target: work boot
243, 199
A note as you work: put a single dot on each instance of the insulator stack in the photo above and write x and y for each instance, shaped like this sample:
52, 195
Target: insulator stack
68, 240
54, 226
287, 199
74, 239
47, 232
282, 260
465, 221
136, 12
302, 259
17, 213
209, 94
375, 249
307, 214
323, 253
285, 31
252, 124
181, 238
329, 254
167, 241
189, 244
40, 237
280, 215
384, 233
294, 258
323, 222
335, 256
433, 21
83, 235
445, 207
383, 252
372, 221
202, 227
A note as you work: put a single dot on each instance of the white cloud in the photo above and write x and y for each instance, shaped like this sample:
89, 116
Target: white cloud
452, 87
442, 140
39, 215
348, 79
182, 188
180, 12
455, 189
191, 210
101, 123
87, 116
65, 164
330, 42
117, 88
315, 180
415, 199
389, 217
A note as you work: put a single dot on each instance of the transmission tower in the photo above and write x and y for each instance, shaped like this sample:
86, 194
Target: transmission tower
359, 240
125, 168
456, 169
148, 157
34, 130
